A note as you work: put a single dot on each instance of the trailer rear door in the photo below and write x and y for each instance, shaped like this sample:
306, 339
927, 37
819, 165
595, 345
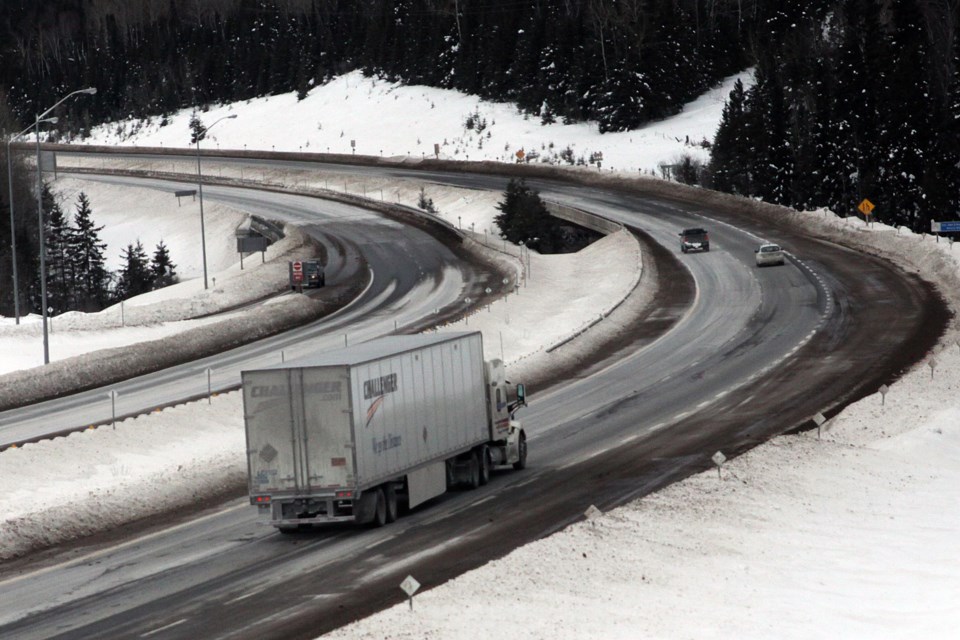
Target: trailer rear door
298, 430
327, 434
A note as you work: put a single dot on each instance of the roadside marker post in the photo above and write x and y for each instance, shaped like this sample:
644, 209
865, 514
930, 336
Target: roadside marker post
718, 459
410, 587
113, 408
819, 419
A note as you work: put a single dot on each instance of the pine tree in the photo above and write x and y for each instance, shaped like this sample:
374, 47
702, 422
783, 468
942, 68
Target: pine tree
943, 185
134, 277
773, 138
60, 274
525, 218
622, 103
87, 255
425, 202
728, 161
860, 74
906, 137
198, 132
162, 270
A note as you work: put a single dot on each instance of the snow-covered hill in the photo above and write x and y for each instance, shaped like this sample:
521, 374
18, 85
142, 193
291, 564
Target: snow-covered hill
356, 114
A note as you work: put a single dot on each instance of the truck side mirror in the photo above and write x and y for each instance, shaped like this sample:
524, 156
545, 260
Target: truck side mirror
521, 395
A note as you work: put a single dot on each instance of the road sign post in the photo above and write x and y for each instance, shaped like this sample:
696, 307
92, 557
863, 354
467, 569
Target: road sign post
866, 208
296, 274
952, 226
718, 459
819, 419
410, 587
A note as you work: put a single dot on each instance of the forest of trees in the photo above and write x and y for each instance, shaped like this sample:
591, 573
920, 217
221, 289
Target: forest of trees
620, 63
853, 99
77, 277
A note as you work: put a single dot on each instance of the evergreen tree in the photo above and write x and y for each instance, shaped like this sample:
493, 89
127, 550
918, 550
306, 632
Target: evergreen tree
425, 202
198, 132
60, 274
88, 261
134, 277
162, 270
728, 162
905, 139
821, 157
860, 83
943, 187
525, 218
622, 101
772, 154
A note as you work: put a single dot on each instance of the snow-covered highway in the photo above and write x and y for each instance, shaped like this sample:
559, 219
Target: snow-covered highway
529, 607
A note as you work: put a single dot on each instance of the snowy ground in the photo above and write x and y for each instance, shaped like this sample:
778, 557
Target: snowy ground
409, 121
854, 535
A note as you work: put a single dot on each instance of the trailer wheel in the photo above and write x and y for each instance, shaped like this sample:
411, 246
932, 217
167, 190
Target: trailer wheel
521, 462
288, 528
380, 511
390, 494
485, 465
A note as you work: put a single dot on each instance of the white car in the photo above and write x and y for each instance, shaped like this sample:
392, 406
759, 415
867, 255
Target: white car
769, 254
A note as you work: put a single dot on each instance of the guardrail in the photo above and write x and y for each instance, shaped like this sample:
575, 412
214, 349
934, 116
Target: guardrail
583, 218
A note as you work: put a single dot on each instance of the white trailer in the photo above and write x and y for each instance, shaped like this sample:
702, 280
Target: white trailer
359, 433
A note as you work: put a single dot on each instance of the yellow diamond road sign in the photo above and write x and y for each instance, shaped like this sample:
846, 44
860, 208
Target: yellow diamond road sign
865, 207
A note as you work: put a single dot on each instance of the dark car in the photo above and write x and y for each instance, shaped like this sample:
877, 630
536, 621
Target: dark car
695, 239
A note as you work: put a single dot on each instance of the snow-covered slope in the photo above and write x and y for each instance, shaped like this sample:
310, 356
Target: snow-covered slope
354, 114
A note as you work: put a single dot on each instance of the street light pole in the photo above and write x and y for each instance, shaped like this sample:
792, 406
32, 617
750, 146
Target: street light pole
13, 224
203, 233
43, 236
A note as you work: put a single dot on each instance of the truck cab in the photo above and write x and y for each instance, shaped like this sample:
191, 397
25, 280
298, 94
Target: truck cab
505, 431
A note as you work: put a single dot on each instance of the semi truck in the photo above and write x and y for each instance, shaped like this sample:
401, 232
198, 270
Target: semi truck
362, 433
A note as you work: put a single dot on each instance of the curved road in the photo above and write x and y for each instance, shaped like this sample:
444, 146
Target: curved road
751, 353
413, 277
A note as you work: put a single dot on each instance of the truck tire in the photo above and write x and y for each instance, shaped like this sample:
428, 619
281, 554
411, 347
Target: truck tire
380, 511
390, 494
473, 466
521, 463
288, 528
484, 454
